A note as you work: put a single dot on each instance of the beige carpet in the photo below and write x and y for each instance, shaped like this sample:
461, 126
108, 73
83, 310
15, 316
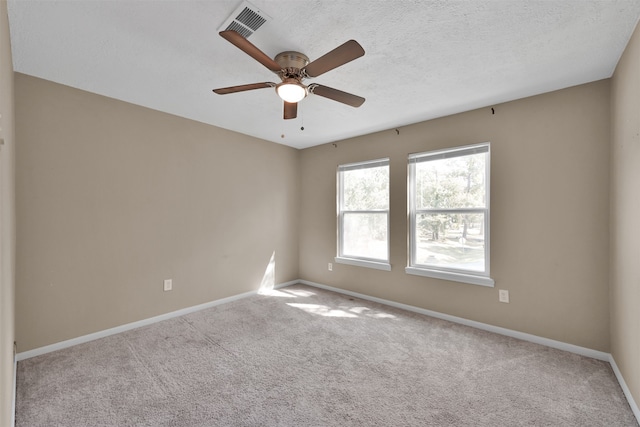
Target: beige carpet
309, 357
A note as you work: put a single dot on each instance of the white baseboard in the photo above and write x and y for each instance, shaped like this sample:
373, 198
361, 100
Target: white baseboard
599, 355
496, 329
15, 387
625, 389
583, 351
118, 329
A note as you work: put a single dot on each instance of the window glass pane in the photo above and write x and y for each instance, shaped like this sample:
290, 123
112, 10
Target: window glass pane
450, 240
456, 182
366, 189
365, 235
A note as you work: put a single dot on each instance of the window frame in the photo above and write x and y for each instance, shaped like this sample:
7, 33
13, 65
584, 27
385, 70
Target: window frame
454, 274
376, 263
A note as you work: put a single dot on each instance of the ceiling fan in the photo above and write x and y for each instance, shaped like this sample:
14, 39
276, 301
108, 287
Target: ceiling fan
293, 68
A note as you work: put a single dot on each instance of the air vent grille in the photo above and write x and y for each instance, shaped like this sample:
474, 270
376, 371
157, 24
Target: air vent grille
244, 31
246, 19
251, 19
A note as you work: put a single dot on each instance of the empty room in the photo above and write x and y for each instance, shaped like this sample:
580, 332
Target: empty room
319, 213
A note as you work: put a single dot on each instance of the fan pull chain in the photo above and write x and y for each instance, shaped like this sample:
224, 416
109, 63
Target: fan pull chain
282, 129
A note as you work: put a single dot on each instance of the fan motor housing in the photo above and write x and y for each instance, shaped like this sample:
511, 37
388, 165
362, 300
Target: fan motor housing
292, 59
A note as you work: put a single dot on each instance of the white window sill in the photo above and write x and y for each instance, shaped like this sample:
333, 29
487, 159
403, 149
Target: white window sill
378, 265
456, 277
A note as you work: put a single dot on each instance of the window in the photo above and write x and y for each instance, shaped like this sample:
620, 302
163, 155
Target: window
363, 214
449, 214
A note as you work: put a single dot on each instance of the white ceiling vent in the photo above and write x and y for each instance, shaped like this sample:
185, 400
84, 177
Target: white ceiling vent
246, 19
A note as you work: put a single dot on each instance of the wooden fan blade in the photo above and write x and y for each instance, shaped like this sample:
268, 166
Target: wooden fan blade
344, 53
242, 88
250, 49
336, 95
290, 110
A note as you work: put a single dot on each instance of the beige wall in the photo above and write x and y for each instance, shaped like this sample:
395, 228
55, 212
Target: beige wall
112, 198
549, 215
625, 208
7, 224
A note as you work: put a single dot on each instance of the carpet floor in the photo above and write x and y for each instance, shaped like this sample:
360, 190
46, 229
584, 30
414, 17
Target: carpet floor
303, 356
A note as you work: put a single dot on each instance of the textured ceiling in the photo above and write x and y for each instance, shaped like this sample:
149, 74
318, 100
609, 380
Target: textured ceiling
424, 59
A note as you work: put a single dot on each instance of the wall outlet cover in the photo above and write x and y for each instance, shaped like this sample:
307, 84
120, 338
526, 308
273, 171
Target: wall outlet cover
503, 295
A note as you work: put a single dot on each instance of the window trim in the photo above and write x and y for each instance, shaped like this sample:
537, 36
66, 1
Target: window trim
459, 275
361, 262
379, 264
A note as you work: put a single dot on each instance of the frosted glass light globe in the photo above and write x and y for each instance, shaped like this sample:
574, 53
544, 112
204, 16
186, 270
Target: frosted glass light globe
291, 91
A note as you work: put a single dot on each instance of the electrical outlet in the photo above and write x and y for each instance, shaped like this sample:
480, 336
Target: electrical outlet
503, 295
330, 267
168, 284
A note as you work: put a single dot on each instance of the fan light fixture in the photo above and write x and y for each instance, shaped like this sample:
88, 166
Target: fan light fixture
292, 68
291, 90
